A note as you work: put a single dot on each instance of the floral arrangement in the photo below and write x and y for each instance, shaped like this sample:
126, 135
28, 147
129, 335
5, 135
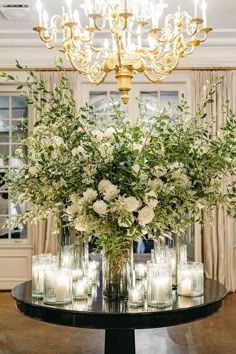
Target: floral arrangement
119, 180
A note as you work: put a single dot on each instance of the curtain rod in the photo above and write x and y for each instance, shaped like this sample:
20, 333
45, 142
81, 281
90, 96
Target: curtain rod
217, 68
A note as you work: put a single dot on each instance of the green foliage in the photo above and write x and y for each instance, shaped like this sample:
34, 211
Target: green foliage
123, 180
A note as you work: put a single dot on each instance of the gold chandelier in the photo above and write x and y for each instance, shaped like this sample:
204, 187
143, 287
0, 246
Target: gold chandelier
124, 36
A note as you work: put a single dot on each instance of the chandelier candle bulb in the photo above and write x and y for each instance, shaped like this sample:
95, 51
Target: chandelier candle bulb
196, 2
39, 9
68, 2
204, 7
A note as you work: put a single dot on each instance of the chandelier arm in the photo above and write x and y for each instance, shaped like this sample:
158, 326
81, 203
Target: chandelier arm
156, 81
126, 56
98, 82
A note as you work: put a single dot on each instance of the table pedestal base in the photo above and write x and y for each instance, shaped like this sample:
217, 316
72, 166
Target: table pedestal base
120, 341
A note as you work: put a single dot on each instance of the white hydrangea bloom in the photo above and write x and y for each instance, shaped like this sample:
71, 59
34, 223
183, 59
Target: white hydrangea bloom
112, 192
106, 150
103, 185
90, 170
100, 207
150, 199
131, 204
78, 150
90, 195
145, 215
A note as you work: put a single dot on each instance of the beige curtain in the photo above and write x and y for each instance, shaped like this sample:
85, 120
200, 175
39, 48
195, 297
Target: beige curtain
214, 244
43, 232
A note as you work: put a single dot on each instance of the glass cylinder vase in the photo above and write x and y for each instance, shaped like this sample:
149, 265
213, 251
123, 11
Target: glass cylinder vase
117, 275
159, 285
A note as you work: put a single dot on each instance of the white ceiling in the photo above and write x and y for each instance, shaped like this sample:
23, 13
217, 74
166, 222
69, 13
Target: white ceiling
18, 34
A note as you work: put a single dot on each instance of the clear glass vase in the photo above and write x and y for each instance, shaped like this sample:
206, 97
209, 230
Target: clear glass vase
117, 275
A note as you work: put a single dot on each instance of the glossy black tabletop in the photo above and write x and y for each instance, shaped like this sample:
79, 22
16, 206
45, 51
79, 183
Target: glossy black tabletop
97, 313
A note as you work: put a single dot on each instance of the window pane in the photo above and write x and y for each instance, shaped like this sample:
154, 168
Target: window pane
4, 203
4, 107
150, 98
18, 102
18, 131
98, 99
18, 209
16, 162
4, 113
168, 96
19, 107
19, 231
4, 131
4, 155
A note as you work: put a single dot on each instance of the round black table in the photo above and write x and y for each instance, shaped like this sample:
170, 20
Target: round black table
118, 319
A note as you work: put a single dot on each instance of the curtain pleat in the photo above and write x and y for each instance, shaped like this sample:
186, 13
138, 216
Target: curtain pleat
44, 231
214, 242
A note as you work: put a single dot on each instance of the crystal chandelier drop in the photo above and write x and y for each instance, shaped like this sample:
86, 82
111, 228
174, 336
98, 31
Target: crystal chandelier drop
125, 36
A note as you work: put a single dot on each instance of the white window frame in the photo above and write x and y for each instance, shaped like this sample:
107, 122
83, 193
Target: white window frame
10, 90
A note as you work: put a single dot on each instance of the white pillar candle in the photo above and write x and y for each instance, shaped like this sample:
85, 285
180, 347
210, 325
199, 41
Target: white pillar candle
140, 271
62, 287
186, 286
161, 288
77, 274
134, 295
80, 289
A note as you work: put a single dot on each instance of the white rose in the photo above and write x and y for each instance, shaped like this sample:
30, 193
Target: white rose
156, 183
90, 195
33, 170
159, 171
58, 140
145, 215
136, 168
100, 207
73, 209
150, 199
103, 185
131, 204
111, 192
98, 136
109, 133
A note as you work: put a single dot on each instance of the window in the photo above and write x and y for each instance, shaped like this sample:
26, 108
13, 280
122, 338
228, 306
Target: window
155, 96
13, 119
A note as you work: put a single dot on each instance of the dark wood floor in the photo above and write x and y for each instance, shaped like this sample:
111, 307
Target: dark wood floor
214, 335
